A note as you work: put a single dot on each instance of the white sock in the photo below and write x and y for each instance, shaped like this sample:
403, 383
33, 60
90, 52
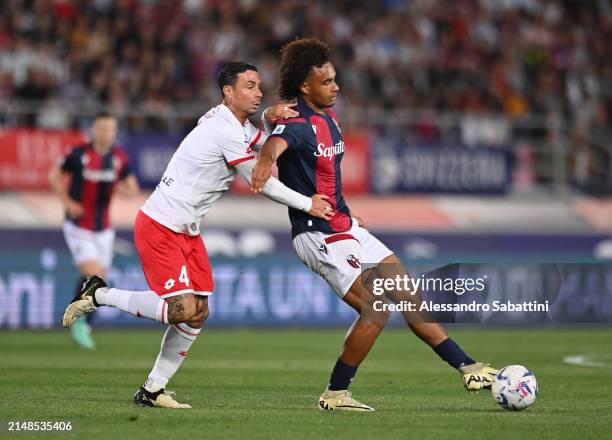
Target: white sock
174, 348
142, 304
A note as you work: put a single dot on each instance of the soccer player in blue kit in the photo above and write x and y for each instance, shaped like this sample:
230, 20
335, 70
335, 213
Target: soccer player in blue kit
308, 150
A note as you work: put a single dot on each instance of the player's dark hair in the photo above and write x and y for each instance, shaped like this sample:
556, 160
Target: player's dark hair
297, 58
228, 75
103, 114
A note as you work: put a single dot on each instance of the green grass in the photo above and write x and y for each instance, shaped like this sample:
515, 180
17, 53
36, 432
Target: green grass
252, 384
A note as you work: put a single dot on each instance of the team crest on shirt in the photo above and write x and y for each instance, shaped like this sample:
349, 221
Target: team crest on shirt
353, 261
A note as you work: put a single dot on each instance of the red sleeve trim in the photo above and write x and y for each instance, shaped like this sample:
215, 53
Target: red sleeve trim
340, 237
254, 141
237, 161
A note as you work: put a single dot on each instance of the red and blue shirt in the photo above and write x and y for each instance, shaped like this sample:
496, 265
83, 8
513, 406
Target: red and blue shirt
311, 165
92, 181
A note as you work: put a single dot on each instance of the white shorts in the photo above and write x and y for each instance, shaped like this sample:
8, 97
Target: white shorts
339, 258
86, 245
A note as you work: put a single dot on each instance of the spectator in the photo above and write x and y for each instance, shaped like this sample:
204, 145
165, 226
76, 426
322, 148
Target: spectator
514, 57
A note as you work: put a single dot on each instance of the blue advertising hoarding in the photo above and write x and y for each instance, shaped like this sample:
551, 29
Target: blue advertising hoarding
273, 288
401, 167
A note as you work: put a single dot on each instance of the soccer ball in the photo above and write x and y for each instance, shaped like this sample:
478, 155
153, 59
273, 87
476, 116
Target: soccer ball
515, 388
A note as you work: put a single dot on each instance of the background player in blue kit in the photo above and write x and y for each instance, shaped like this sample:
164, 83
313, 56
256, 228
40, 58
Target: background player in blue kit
308, 150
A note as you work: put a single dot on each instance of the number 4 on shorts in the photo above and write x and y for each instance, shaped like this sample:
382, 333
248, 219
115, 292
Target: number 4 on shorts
183, 278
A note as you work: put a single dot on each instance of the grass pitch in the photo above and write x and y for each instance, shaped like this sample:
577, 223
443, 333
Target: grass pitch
252, 384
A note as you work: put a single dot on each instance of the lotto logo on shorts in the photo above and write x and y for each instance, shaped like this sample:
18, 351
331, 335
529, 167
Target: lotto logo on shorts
353, 261
169, 284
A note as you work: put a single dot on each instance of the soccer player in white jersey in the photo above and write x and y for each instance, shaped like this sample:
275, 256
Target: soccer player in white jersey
167, 228
308, 150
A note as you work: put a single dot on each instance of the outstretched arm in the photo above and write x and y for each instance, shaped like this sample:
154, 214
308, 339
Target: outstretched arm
262, 171
277, 191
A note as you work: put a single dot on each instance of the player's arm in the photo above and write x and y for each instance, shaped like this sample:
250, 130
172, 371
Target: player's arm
56, 180
269, 117
129, 186
270, 152
317, 206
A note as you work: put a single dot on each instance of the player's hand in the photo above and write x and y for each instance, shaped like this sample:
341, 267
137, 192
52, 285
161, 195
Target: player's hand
280, 111
75, 210
478, 376
321, 207
360, 221
259, 176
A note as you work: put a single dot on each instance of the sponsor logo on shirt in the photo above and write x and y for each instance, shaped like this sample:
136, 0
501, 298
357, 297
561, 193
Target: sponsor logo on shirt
329, 152
99, 175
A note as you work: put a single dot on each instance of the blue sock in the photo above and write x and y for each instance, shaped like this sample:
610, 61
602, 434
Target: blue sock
341, 376
453, 354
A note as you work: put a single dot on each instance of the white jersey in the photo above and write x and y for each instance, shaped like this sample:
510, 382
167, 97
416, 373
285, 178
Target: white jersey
200, 170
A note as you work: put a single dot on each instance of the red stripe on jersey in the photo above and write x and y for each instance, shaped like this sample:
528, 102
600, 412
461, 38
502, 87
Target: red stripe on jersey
331, 113
254, 141
89, 196
289, 121
237, 161
340, 237
326, 174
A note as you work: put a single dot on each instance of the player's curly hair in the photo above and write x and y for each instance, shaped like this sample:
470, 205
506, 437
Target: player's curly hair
297, 58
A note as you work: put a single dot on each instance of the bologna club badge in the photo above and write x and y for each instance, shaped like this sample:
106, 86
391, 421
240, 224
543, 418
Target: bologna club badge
353, 261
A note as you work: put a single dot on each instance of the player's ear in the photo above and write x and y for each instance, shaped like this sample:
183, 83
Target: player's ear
304, 88
228, 92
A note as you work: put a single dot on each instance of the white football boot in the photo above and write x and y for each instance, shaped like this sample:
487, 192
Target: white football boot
340, 400
159, 399
478, 376
84, 302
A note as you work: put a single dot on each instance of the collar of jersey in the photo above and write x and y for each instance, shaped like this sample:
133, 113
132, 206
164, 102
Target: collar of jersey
227, 114
304, 109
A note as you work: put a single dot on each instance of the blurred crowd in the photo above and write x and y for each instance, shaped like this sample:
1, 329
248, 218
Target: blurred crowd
150, 57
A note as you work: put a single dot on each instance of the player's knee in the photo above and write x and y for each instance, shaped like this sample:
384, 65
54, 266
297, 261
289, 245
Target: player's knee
202, 309
373, 310
378, 318
201, 313
182, 309
205, 314
373, 314
374, 324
